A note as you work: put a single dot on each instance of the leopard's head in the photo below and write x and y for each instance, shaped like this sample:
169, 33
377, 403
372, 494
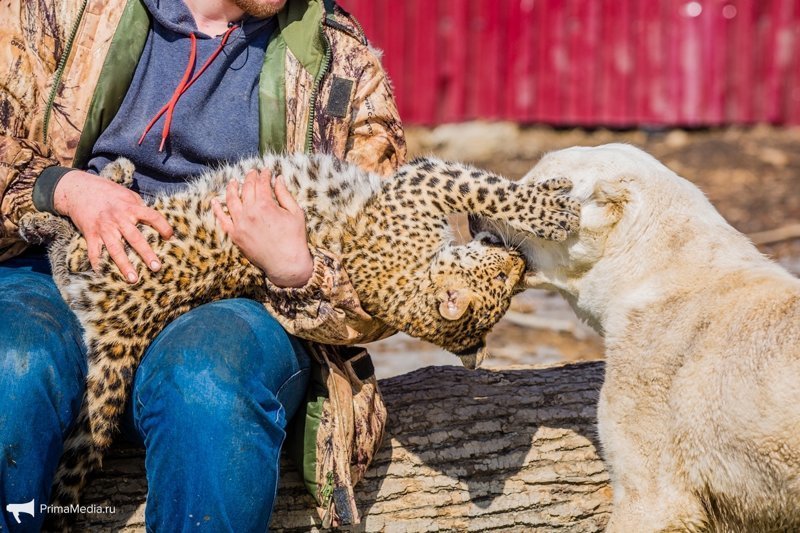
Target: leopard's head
470, 289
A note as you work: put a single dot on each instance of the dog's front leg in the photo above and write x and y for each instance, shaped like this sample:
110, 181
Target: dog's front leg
649, 495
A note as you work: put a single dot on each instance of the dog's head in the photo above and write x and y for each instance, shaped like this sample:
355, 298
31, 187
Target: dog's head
628, 200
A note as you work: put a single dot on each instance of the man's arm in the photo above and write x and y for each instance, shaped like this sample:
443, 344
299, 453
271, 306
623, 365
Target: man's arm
33, 37
376, 140
326, 308
22, 76
21, 162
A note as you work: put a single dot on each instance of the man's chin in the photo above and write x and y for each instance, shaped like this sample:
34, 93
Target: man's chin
260, 8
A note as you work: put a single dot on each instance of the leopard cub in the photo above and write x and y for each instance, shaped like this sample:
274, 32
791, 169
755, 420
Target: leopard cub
391, 236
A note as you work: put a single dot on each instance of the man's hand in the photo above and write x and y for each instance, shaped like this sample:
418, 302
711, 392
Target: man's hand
271, 231
107, 214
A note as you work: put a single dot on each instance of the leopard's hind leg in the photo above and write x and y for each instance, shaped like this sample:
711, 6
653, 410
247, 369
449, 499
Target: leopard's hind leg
54, 231
112, 362
39, 227
119, 171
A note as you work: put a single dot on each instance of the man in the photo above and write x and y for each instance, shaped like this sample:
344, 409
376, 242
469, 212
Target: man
175, 86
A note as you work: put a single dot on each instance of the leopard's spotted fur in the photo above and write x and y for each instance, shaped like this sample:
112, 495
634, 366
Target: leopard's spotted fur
391, 235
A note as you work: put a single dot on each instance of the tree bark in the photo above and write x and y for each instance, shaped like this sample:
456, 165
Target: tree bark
512, 450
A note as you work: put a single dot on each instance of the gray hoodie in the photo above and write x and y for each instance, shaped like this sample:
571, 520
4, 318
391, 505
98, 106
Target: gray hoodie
214, 120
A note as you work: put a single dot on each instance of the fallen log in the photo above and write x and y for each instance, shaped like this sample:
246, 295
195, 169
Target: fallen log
511, 450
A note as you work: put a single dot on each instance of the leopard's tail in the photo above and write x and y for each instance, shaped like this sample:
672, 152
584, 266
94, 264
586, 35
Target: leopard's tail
79, 459
111, 369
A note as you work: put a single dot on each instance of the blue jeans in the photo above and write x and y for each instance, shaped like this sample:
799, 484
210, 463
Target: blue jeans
210, 402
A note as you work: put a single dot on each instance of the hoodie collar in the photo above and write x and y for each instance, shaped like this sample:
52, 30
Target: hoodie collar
176, 17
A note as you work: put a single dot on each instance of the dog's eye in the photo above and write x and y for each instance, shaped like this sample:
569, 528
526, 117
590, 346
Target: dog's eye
502, 276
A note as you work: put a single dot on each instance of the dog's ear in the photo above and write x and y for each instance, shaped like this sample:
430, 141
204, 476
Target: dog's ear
453, 303
611, 196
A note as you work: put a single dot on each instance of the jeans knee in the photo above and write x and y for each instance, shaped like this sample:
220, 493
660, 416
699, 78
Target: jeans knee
37, 329
39, 389
39, 362
218, 360
234, 341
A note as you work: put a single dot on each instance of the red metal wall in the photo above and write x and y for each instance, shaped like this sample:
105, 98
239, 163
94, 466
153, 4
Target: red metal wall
590, 62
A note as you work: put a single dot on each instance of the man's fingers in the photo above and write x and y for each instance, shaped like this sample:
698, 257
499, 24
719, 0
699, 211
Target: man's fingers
153, 218
264, 184
249, 187
224, 220
140, 246
116, 250
233, 200
285, 198
94, 246
265, 176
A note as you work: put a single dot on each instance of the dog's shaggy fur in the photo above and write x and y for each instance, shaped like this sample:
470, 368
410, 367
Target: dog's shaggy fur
699, 414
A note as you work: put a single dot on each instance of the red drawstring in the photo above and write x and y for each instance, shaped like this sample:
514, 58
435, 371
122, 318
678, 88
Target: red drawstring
185, 83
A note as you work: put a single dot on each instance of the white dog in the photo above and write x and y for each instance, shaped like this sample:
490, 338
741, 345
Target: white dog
699, 414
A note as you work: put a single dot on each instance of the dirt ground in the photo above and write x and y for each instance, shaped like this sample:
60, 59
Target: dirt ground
752, 175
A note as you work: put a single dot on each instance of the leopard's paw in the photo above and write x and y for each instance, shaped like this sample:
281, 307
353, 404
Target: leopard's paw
553, 213
119, 171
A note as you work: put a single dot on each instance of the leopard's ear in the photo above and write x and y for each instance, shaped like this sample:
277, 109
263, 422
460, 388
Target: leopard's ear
453, 303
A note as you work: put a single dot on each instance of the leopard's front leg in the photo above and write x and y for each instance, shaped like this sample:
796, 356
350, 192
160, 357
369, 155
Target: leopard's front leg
543, 209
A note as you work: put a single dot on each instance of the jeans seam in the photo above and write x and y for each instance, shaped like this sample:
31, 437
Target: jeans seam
137, 426
277, 469
285, 383
290, 378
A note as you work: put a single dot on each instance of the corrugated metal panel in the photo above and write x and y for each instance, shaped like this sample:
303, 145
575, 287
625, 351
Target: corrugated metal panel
590, 62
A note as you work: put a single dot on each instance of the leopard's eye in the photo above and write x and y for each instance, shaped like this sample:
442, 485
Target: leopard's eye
490, 239
502, 276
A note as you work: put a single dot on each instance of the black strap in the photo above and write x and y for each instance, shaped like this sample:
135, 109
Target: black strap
357, 357
363, 367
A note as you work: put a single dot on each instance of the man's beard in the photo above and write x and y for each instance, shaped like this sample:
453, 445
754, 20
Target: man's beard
259, 8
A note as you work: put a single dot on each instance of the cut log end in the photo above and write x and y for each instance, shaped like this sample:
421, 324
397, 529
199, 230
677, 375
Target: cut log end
512, 450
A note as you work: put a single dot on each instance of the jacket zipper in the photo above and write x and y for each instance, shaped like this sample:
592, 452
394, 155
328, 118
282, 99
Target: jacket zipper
323, 69
62, 63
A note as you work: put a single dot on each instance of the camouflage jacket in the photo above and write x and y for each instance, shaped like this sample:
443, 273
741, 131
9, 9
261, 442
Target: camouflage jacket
66, 66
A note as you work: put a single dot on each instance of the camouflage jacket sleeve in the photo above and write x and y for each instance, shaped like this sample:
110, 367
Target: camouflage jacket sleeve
26, 63
370, 134
326, 308
21, 161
